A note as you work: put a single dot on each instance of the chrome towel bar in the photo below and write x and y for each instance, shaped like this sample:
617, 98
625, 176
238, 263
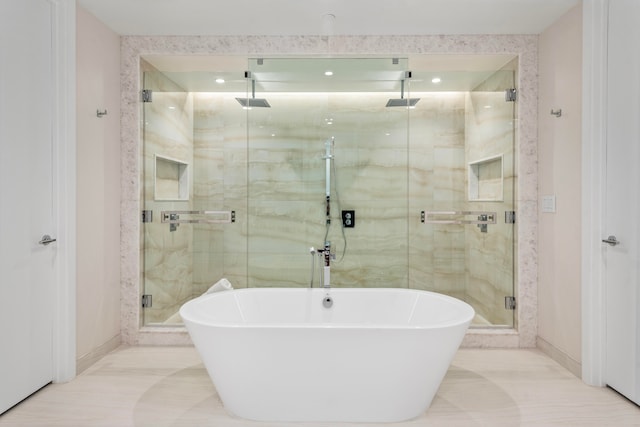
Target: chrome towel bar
436, 217
215, 217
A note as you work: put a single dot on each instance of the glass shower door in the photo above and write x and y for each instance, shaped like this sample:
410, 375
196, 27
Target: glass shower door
491, 186
193, 187
166, 187
462, 236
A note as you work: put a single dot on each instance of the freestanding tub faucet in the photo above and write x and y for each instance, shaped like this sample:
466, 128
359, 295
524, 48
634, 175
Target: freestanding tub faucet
327, 301
326, 271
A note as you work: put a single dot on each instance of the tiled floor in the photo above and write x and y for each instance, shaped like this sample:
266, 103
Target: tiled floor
168, 386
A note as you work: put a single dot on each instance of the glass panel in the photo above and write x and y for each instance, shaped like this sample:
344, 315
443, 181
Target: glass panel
191, 166
167, 167
328, 144
446, 143
490, 157
462, 161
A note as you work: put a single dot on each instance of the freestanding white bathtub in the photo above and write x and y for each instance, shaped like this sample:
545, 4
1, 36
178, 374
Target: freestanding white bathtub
277, 354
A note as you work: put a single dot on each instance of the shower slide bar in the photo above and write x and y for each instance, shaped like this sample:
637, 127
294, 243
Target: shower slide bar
435, 217
218, 217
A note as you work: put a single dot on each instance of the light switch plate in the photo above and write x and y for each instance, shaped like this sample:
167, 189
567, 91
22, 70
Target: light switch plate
549, 204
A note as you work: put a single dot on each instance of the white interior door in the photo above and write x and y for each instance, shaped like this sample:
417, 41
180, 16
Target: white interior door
27, 267
622, 210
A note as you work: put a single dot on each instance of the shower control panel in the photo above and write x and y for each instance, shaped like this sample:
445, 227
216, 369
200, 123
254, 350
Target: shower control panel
348, 219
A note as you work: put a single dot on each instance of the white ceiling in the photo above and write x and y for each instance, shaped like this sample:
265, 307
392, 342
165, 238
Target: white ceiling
307, 17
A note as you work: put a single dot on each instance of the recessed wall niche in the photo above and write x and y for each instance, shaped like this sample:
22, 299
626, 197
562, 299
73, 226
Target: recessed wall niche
486, 180
171, 179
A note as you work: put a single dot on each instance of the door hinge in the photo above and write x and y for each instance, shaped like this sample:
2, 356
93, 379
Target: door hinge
147, 301
510, 303
510, 95
147, 216
147, 95
509, 217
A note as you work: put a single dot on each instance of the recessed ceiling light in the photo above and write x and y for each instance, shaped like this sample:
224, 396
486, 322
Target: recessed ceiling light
328, 73
436, 80
220, 80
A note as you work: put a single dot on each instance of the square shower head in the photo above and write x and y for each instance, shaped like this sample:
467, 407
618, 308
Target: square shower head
254, 102
402, 102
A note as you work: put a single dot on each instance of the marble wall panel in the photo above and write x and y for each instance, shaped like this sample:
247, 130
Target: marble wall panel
284, 227
208, 268
261, 271
208, 176
219, 145
437, 165
372, 269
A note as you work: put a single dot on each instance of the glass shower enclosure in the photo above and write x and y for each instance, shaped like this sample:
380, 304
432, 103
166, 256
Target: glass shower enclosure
403, 167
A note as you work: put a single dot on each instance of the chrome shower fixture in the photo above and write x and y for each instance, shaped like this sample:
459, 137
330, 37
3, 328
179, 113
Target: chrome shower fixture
253, 101
402, 101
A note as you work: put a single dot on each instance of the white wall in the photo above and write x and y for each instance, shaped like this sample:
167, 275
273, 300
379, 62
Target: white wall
98, 190
559, 172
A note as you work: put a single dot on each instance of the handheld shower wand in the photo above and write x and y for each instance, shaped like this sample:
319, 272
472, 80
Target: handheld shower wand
328, 156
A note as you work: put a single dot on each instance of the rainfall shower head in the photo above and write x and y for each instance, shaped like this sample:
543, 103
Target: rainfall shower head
253, 101
402, 101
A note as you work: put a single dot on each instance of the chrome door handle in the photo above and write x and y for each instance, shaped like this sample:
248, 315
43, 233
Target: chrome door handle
46, 239
611, 240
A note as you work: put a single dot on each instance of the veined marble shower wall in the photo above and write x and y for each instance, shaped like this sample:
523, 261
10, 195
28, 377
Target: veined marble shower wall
287, 190
168, 142
453, 152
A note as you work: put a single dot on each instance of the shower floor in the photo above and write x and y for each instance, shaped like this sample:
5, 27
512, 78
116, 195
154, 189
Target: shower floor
168, 386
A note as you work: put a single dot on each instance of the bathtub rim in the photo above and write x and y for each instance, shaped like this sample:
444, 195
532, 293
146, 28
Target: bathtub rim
458, 322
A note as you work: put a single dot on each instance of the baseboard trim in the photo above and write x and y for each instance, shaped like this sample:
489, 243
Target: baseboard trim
560, 356
85, 361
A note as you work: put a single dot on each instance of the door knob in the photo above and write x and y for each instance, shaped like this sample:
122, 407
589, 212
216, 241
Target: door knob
611, 240
46, 239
